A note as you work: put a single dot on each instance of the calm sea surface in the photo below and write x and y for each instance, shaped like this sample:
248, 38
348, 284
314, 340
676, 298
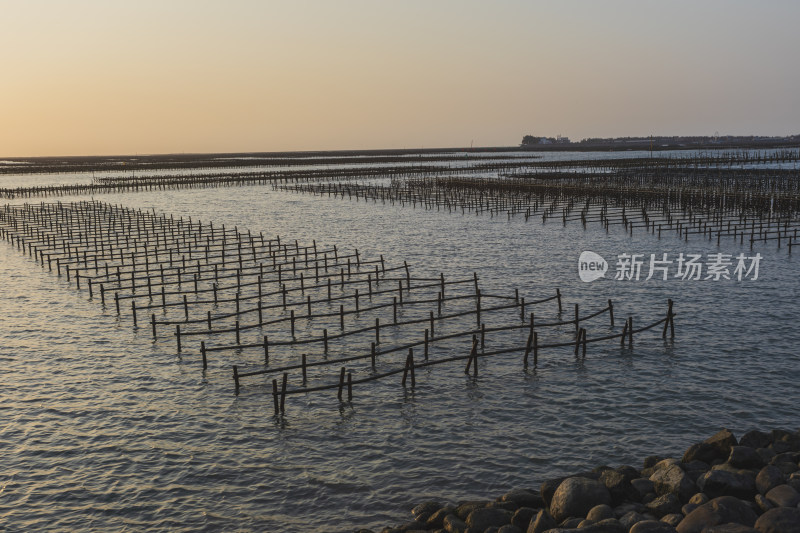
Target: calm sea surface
103, 428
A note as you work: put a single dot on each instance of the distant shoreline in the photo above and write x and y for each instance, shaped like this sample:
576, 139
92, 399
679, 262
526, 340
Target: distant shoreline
601, 145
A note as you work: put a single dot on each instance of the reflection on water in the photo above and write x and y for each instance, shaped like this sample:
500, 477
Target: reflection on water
102, 428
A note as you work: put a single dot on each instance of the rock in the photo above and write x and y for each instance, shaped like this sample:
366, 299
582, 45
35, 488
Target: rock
723, 441
779, 520
664, 505
652, 460
608, 525
688, 508
642, 487
745, 457
695, 469
424, 510
665, 463
755, 439
768, 478
672, 519
630, 518
523, 516
763, 504
416, 525
629, 472
482, 519
508, 506
766, 454
508, 528
700, 451
548, 488
794, 481
780, 435
699, 498
730, 528
524, 498
718, 511
600, 469
436, 520
576, 496
465, 508
783, 496
786, 467
571, 523
652, 526
673, 480
541, 522
785, 457
717, 483
453, 524
600, 512
617, 484
780, 447
696, 465
585, 523
650, 496
625, 508
793, 439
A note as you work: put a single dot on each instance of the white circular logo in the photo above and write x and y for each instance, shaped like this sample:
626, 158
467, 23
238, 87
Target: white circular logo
591, 266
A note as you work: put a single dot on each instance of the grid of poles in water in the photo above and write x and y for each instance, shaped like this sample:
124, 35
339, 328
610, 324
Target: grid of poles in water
306, 318
712, 197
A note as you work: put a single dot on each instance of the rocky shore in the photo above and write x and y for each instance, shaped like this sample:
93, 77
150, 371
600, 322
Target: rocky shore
720, 485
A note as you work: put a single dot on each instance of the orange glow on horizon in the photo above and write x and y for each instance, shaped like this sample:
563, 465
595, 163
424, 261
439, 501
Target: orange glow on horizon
100, 78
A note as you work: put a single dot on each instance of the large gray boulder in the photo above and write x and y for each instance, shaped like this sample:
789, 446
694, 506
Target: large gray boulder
524, 498
783, 496
723, 441
482, 519
717, 483
768, 478
641, 487
436, 520
575, 496
630, 518
609, 525
730, 528
600, 512
745, 457
673, 480
453, 524
756, 439
424, 510
779, 520
652, 526
523, 516
664, 505
722, 510
713, 448
700, 451
541, 522
618, 485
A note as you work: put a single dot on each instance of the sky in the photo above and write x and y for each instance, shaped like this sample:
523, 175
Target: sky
104, 77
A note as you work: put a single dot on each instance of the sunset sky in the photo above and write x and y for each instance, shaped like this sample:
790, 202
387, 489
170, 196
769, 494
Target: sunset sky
114, 77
